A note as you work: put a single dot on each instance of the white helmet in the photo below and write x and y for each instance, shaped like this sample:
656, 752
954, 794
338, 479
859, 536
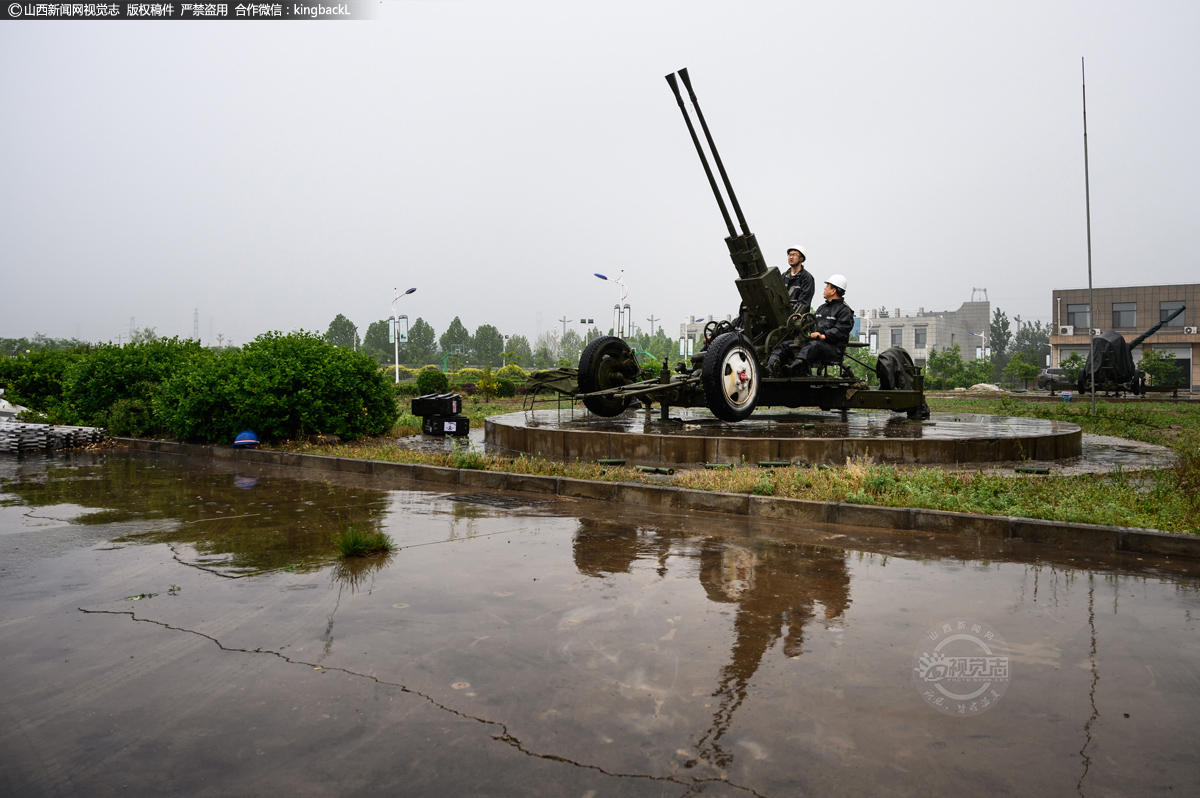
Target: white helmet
838, 281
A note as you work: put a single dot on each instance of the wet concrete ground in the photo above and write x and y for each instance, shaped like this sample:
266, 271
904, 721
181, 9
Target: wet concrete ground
177, 627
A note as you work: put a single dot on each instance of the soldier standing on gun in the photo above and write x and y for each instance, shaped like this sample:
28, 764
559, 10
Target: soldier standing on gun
799, 282
827, 344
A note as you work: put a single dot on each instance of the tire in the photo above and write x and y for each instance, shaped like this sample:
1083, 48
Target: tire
730, 377
606, 363
919, 413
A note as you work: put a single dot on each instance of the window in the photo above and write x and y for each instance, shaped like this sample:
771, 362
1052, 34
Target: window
1124, 315
1167, 308
1079, 316
897, 336
919, 337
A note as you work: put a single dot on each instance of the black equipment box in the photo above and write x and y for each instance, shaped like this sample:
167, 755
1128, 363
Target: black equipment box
437, 404
446, 425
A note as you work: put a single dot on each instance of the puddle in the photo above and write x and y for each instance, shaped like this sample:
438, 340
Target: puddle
513, 645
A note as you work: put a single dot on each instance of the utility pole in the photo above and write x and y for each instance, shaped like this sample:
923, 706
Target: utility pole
652, 319
565, 321
1087, 194
196, 324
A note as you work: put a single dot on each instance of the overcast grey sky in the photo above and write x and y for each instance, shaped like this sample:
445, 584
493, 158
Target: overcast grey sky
496, 154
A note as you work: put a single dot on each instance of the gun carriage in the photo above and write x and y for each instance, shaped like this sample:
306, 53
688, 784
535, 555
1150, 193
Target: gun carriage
727, 374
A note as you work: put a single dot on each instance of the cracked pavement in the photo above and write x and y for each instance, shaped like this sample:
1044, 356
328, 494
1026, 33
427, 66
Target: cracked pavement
179, 627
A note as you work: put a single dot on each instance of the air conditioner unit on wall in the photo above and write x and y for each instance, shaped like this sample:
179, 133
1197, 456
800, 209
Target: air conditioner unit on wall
1096, 331
1189, 330
1066, 330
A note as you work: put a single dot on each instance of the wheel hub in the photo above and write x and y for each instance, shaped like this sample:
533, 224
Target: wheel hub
737, 377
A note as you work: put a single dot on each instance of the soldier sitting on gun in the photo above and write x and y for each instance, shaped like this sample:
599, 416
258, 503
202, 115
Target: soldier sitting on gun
827, 344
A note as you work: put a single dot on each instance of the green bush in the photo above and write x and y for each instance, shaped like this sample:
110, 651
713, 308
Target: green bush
131, 417
280, 386
505, 388
467, 375
432, 381
111, 373
406, 390
512, 372
37, 380
405, 373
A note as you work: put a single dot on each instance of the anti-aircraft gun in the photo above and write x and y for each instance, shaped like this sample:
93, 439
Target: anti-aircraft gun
1109, 365
726, 375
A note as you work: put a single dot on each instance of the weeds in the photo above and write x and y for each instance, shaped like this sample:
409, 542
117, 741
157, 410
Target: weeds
355, 542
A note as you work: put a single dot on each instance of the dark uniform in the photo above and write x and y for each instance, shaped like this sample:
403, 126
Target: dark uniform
835, 320
800, 288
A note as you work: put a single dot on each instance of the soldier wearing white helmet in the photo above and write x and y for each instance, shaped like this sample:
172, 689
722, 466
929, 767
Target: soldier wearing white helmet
827, 344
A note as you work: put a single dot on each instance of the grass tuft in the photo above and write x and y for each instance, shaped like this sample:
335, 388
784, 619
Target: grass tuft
354, 542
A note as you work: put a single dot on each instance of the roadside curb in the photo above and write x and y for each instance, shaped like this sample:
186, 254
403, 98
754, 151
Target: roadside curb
1093, 537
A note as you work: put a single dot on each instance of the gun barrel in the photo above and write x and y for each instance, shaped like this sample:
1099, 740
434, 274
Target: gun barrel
737, 209
703, 160
1156, 327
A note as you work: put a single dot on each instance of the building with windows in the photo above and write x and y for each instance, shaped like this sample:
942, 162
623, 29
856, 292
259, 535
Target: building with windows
1130, 311
921, 332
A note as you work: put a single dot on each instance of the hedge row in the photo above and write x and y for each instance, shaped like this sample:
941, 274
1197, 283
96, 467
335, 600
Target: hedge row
280, 386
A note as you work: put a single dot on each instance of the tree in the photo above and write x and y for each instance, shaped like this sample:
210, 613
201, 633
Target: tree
570, 346
1033, 338
342, 332
1072, 366
376, 344
1021, 369
1161, 367
979, 370
1000, 337
948, 365
456, 338
422, 344
142, 336
545, 349
519, 351
16, 346
487, 344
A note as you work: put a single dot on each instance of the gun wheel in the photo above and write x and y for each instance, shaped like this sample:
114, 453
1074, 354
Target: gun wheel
730, 377
606, 362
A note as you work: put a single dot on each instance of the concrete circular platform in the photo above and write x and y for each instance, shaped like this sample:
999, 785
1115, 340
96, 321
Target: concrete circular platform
695, 437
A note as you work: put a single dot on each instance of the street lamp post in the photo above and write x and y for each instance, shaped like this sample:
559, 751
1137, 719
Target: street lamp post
622, 316
983, 350
396, 330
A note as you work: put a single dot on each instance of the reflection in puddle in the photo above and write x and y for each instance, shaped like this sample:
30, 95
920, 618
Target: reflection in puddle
237, 523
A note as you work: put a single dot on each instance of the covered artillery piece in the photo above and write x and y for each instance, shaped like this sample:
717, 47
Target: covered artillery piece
1109, 365
727, 375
